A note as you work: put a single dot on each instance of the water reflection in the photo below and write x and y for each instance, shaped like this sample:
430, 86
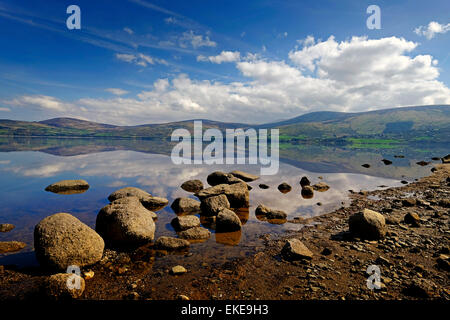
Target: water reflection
25, 203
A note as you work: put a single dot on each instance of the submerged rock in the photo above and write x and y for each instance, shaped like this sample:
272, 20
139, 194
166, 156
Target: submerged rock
68, 186
185, 206
367, 224
192, 185
247, 177
170, 243
11, 246
61, 240
6, 227
386, 161
269, 213
227, 221
185, 222
125, 221
196, 233
236, 193
213, 205
294, 249
64, 286
284, 187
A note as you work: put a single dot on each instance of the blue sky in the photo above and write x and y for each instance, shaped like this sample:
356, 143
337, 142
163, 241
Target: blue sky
136, 61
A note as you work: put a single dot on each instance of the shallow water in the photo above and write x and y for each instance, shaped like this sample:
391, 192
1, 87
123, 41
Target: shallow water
25, 174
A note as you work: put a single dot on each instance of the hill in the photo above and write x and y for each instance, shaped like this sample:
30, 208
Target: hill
421, 123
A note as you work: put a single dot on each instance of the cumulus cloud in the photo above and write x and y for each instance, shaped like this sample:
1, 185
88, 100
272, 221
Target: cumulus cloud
40, 102
432, 29
117, 91
224, 56
139, 59
194, 40
357, 74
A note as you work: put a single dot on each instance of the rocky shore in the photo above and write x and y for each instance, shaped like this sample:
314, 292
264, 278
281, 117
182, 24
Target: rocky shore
404, 231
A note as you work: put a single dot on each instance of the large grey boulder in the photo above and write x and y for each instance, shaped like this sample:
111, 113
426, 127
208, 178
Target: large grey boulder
125, 221
294, 249
185, 222
227, 221
170, 243
367, 224
67, 186
213, 205
61, 240
148, 201
269, 213
237, 193
185, 206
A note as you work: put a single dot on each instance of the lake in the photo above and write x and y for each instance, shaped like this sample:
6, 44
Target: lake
28, 165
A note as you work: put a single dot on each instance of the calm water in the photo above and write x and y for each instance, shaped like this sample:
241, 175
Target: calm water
25, 174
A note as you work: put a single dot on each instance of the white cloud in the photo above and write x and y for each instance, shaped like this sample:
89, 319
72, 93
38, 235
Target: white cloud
5, 110
40, 102
432, 29
196, 41
224, 56
117, 91
128, 30
139, 59
358, 74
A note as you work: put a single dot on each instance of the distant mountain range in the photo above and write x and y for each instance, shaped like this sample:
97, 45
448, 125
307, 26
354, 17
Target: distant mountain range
420, 123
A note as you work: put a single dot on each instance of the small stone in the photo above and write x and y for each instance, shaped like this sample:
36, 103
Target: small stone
169, 243
185, 222
192, 186
326, 251
11, 246
263, 186
321, 187
177, 270
183, 297
304, 181
386, 162
196, 233
88, 275
412, 219
284, 187
64, 286
307, 192
294, 249
409, 202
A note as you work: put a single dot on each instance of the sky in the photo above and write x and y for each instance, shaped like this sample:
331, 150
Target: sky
140, 61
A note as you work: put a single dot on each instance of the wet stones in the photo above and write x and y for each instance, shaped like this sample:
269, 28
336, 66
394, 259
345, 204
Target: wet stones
367, 224
125, 221
284, 187
68, 186
192, 186
6, 227
211, 206
185, 206
269, 213
244, 176
227, 221
148, 201
185, 222
11, 246
170, 243
237, 193
61, 240
294, 249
